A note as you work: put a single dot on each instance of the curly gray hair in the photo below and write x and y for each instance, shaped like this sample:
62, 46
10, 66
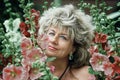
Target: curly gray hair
79, 27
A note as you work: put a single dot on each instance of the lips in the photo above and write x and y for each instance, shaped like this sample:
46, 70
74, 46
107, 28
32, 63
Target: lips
52, 48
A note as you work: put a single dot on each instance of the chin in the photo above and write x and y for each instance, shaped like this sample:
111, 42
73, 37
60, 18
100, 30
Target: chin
50, 54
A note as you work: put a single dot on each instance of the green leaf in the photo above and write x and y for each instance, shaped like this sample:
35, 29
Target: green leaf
91, 71
50, 59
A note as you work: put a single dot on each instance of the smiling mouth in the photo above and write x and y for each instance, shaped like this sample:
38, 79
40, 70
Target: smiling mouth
52, 48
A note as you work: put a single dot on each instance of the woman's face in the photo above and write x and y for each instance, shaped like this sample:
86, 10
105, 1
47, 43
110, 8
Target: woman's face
60, 44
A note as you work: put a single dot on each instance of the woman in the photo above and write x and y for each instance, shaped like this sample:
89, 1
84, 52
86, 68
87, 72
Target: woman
70, 33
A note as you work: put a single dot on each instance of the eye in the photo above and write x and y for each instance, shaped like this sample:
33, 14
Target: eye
51, 33
63, 37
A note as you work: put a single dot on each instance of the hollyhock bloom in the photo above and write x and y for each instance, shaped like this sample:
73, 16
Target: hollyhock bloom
116, 64
26, 44
98, 60
33, 55
92, 77
35, 73
100, 38
117, 78
12, 31
14, 36
108, 70
93, 49
15, 24
26, 64
15, 73
42, 41
52, 68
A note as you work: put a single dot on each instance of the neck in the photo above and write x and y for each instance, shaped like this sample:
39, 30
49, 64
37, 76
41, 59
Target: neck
60, 66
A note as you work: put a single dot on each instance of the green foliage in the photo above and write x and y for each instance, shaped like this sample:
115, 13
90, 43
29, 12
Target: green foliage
103, 23
106, 25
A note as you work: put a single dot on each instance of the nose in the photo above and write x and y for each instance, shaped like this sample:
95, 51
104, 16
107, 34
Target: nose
54, 40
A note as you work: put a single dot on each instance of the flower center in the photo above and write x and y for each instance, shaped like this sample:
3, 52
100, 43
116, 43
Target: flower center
13, 74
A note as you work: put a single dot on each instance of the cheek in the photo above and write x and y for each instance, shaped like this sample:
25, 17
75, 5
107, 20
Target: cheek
66, 48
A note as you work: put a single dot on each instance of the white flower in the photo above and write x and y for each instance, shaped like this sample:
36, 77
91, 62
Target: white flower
12, 33
6, 24
16, 23
14, 36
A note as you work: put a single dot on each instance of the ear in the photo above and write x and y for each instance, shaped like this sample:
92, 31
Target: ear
73, 50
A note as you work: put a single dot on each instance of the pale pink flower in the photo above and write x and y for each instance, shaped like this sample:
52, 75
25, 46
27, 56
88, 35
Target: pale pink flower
26, 64
35, 73
117, 77
93, 49
26, 45
15, 73
42, 41
98, 60
35, 54
108, 70
52, 68
92, 77
32, 56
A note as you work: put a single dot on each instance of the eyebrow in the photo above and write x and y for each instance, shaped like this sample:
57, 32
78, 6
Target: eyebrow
61, 34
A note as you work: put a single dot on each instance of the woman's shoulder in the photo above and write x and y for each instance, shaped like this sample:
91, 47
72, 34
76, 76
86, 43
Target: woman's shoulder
82, 73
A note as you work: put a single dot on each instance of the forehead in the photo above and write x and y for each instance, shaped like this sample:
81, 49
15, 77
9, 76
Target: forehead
58, 29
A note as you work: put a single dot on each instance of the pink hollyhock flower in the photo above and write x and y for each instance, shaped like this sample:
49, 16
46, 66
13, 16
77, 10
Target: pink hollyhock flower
26, 45
15, 73
117, 78
35, 73
92, 77
52, 68
108, 70
116, 64
93, 49
100, 38
98, 60
33, 55
42, 41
